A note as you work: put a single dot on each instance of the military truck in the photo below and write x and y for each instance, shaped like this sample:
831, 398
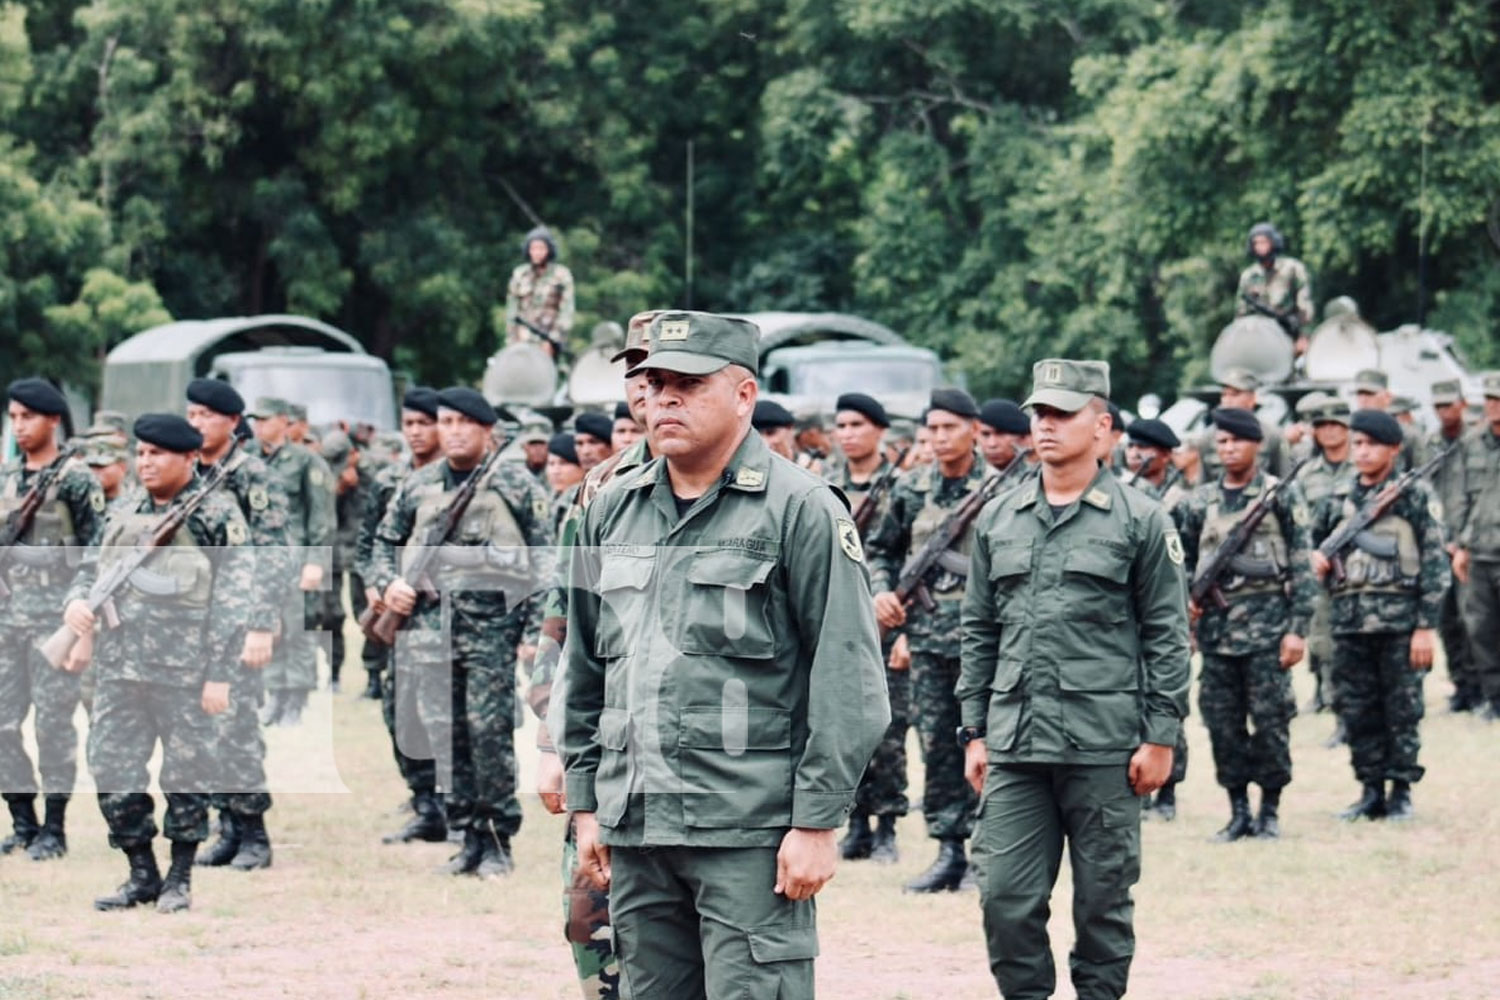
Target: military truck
294, 357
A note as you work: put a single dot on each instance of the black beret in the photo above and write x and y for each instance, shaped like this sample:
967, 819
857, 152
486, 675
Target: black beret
422, 400
1241, 423
1380, 426
562, 446
868, 406
167, 430
769, 414
217, 395
1116, 418
954, 401
1004, 416
1152, 432
38, 395
622, 411
595, 425
469, 402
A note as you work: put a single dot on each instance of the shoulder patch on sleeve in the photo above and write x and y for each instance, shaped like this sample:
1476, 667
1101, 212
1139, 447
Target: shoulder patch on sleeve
315, 476
97, 501
849, 539
1300, 514
1435, 508
539, 508
1174, 546
258, 498
235, 533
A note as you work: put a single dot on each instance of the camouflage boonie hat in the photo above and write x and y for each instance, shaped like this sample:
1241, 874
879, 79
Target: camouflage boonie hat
104, 450
698, 343
1489, 384
637, 346
269, 406
1242, 379
113, 420
1371, 380
1447, 392
534, 433
296, 412
1067, 385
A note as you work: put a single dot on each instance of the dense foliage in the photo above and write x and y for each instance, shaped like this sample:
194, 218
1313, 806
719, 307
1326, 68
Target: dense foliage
997, 179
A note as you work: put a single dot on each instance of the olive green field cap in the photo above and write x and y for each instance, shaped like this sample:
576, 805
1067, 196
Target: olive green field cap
1333, 411
1403, 404
1242, 379
1067, 385
534, 433
637, 346
269, 406
1371, 380
1489, 384
296, 411
1312, 403
697, 343
1446, 392
335, 448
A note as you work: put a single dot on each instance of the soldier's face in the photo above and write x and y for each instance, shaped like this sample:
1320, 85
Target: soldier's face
626, 432
536, 453
636, 388
857, 436
164, 473
215, 427
1330, 436
689, 414
1239, 399
1492, 412
1450, 415
1060, 437
997, 447
1236, 454
562, 474
420, 432
110, 476
1373, 459
781, 440
1260, 245
952, 436
1144, 459
463, 438
921, 449
270, 430
537, 251
591, 450
33, 430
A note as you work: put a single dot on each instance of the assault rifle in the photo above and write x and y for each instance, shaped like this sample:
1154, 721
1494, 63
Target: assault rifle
381, 624
19, 521
1289, 321
1355, 531
871, 503
938, 552
111, 581
1228, 557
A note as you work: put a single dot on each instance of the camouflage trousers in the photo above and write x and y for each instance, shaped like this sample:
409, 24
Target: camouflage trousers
1380, 703
1455, 636
398, 707
947, 800
242, 747
882, 789
586, 927
1482, 616
294, 663
1252, 686
130, 717
28, 681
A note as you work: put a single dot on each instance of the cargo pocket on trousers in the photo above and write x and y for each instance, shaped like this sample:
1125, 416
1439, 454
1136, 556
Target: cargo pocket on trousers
783, 958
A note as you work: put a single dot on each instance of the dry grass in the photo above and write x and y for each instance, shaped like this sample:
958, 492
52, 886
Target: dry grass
1332, 911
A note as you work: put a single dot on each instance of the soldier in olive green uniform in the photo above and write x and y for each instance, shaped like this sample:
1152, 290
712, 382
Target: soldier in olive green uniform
353, 478
1074, 687
1329, 474
723, 688
463, 644
1478, 556
35, 576
1450, 481
1259, 633
164, 672
1384, 612
308, 486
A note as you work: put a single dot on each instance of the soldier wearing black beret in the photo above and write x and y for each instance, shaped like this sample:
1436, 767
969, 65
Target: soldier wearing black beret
469, 402
1004, 429
775, 423
592, 436
217, 395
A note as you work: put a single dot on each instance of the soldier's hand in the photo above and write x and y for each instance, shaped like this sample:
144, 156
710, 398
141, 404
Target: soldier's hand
976, 765
257, 651
1150, 767
401, 597
1423, 648
1194, 612
1461, 565
79, 618
1320, 564
215, 697
549, 783
312, 577
79, 656
889, 611
593, 857
1293, 648
900, 654
374, 599
805, 862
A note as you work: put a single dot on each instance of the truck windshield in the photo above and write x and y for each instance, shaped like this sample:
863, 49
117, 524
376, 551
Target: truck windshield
330, 394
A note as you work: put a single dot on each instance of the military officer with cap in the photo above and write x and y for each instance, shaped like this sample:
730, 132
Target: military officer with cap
164, 671
723, 689
1003, 431
1450, 481
35, 576
1257, 632
1074, 687
1477, 560
214, 409
1328, 475
308, 486
1385, 610
487, 571
1238, 388
920, 502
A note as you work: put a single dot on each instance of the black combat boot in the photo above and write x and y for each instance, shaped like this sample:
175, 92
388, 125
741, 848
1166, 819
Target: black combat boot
177, 891
857, 843
255, 845
270, 712
23, 821
372, 685
292, 706
1464, 699
1268, 823
52, 840
222, 851
143, 886
426, 823
1398, 807
494, 855
466, 861
1239, 824
883, 848
1371, 804
1165, 805
946, 873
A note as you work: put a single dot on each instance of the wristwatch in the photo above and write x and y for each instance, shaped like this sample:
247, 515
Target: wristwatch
968, 734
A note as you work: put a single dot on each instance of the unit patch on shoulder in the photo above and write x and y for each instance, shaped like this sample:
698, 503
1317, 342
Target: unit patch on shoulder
97, 501
539, 508
235, 533
315, 476
1300, 514
258, 498
1174, 547
849, 539
1435, 508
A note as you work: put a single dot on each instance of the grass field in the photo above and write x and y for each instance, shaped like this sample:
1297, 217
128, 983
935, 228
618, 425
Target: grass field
1361, 912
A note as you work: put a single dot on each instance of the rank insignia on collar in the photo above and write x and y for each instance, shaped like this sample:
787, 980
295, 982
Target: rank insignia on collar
749, 478
1097, 498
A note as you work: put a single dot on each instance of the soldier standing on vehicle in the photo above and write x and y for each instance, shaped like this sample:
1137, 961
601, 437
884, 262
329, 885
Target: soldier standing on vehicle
723, 689
1074, 687
921, 501
539, 297
37, 570
1253, 640
1385, 610
1477, 560
1278, 283
1450, 481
